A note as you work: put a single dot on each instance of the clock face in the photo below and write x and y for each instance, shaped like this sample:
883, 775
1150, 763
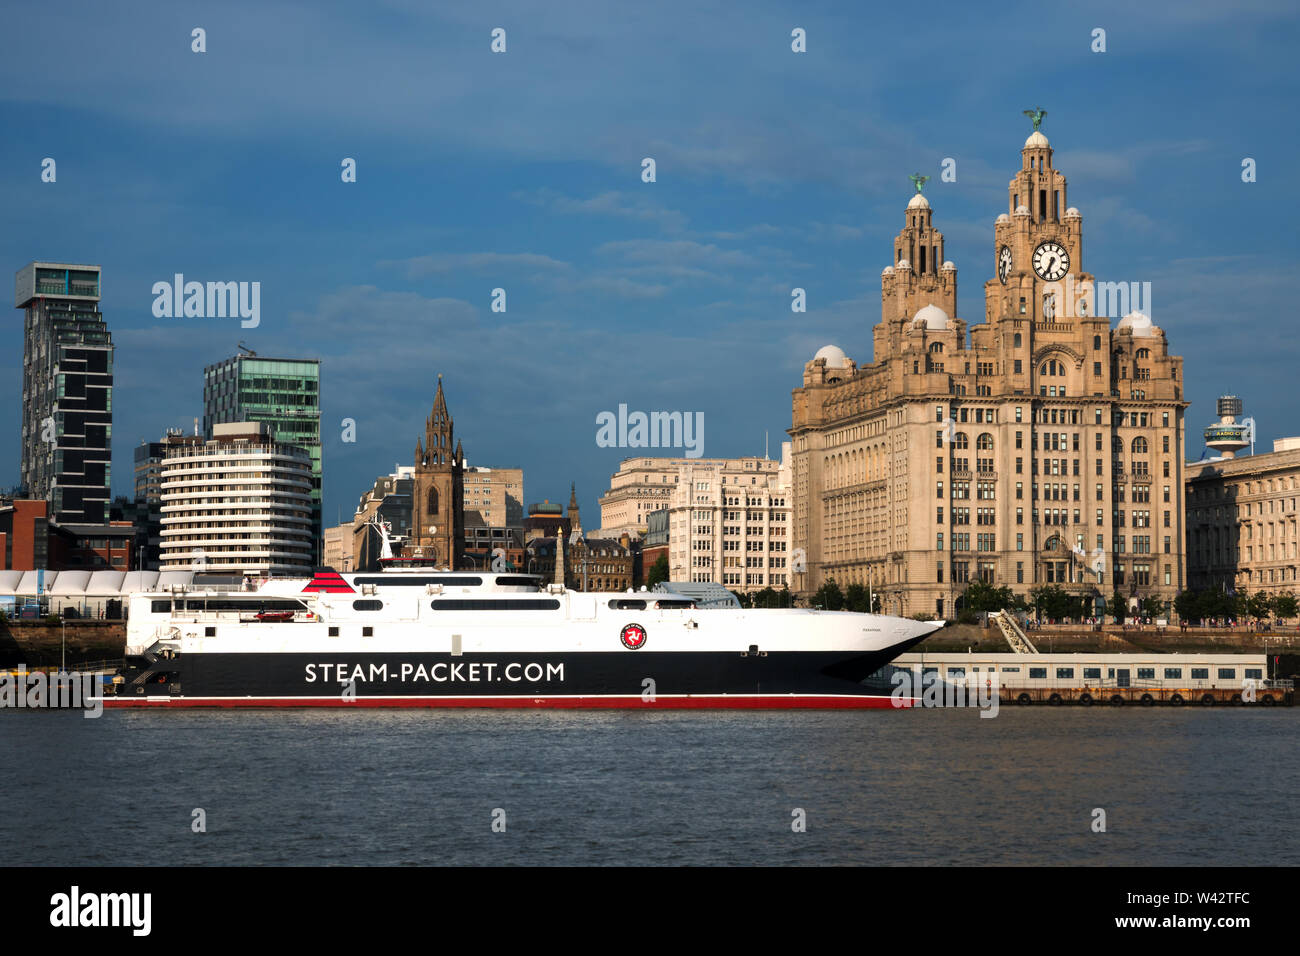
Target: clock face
1004, 264
1051, 261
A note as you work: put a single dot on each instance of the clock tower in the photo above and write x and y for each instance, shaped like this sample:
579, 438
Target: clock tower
1038, 246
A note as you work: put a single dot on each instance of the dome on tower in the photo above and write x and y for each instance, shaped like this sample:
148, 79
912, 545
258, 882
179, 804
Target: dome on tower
903, 264
1003, 217
1022, 211
1138, 323
918, 202
834, 356
887, 271
948, 266
931, 317
1036, 138
1073, 213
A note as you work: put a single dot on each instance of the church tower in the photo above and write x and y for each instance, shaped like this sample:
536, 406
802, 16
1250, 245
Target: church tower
437, 494
575, 522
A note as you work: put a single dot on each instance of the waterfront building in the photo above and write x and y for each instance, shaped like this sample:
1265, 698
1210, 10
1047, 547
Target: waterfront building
338, 547
595, 563
643, 485
655, 543
729, 522
67, 400
389, 499
1241, 521
284, 394
238, 503
1040, 446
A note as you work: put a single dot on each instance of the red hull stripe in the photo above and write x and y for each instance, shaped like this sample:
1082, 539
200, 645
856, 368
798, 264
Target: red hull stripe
692, 702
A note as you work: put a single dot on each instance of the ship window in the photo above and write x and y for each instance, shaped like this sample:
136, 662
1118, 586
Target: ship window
1038, 673
1200, 673
414, 581
516, 581
671, 604
1173, 673
1227, 673
334, 632
489, 604
367, 605
209, 632
367, 632
1092, 673
623, 604
160, 607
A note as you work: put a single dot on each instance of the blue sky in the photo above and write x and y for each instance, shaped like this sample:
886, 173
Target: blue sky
522, 171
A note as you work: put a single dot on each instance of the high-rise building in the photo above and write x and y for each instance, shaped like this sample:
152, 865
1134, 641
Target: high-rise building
239, 502
284, 394
67, 418
1038, 447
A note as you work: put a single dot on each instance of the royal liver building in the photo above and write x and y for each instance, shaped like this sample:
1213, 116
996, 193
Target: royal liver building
1039, 446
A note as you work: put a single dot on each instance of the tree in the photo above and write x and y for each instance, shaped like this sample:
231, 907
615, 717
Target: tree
983, 596
1118, 607
1259, 605
1188, 605
855, 598
1053, 602
658, 571
829, 597
1153, 607
1285, 605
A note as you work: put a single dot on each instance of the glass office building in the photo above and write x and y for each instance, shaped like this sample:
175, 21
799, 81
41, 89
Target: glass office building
283, 393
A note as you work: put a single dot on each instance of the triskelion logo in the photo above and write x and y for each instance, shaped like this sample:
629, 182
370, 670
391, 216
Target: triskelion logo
633, 636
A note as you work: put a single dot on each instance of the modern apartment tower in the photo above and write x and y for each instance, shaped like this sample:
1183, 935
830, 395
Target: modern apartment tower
282, 393
239, 502
67, 422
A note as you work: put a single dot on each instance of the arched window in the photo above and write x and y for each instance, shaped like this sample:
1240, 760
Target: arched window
1043, 371
984, 442
1015, 342
961, 441
1117, 444
1139, 445
936, 347
433, 501
1143, 353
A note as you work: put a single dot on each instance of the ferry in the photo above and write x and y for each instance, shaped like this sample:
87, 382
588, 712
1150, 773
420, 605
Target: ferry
422, 637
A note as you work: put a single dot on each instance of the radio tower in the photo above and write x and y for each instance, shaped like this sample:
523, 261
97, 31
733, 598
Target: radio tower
1228, 437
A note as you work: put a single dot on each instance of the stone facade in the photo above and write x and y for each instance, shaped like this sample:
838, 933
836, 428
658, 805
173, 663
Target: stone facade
730, 524
1039, 446
1241, 521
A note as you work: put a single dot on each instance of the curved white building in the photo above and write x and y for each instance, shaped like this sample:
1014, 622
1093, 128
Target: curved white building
239, 503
